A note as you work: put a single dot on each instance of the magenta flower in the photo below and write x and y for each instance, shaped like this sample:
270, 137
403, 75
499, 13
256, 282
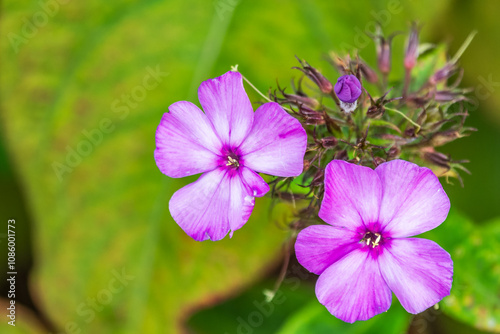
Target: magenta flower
365, 252
229, 143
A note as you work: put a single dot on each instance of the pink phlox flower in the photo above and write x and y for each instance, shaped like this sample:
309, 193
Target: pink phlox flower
366, 251
229, 143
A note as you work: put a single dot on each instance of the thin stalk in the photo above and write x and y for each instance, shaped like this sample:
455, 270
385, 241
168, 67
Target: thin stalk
417, 130
464, 46
407, 83
235, 69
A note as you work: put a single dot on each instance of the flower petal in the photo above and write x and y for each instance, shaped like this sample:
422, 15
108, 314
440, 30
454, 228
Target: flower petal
352, 196
228, 107
244, 188
413, 200
219, 201
276, 144
256, 184
353, 289
418, 271
186, 143
319, 246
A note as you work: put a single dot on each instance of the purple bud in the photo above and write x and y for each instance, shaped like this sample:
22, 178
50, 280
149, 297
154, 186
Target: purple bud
444, 137
299, 99
449, 96
442, 74
367, 72
348, 88
436, 158
324, 85
384, 54
411, 48
328, 142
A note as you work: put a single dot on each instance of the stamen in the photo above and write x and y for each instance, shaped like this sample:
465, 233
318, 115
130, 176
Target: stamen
372, 239
232, 162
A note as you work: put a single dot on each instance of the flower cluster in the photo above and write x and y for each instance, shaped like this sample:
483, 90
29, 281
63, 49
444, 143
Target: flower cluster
340, 152
370, 117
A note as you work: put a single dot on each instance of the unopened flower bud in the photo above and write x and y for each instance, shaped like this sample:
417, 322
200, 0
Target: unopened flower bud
298, 100
329, 142
378, 160
393, 152
448, 96
375, 111
367, 72
409, 132
324, 85
437, 158
411, 52
442, 74
348, 90
441, 138
342, 65
341, 155
311, 117
384, 54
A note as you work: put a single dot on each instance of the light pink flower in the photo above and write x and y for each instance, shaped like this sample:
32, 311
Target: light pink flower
365, 252
229, 144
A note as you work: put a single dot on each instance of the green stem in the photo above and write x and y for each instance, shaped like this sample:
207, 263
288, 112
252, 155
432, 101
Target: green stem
406, 117
235, 69
463, 47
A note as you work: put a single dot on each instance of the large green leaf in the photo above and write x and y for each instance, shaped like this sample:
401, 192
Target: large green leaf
475, 251
250, 313
314, 318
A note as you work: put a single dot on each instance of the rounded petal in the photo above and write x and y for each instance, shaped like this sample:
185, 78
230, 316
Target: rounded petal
352, 196
319, 246
353, 289
256, 184
186, 143
244, 188
228, 107
413, 200
418, 271
276, 144
219, 201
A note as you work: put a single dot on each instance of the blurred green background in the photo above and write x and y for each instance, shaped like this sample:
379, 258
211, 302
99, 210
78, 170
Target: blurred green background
97, 250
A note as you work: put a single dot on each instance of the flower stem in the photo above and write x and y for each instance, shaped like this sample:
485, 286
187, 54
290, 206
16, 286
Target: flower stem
406, 117
235, 69
464, 46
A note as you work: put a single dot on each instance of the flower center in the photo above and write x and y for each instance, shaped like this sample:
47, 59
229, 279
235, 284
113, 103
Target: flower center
232, 160
372, 239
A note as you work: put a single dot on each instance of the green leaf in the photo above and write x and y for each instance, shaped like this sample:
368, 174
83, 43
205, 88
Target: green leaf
249, 311
427, 65
475, 251
314, 318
